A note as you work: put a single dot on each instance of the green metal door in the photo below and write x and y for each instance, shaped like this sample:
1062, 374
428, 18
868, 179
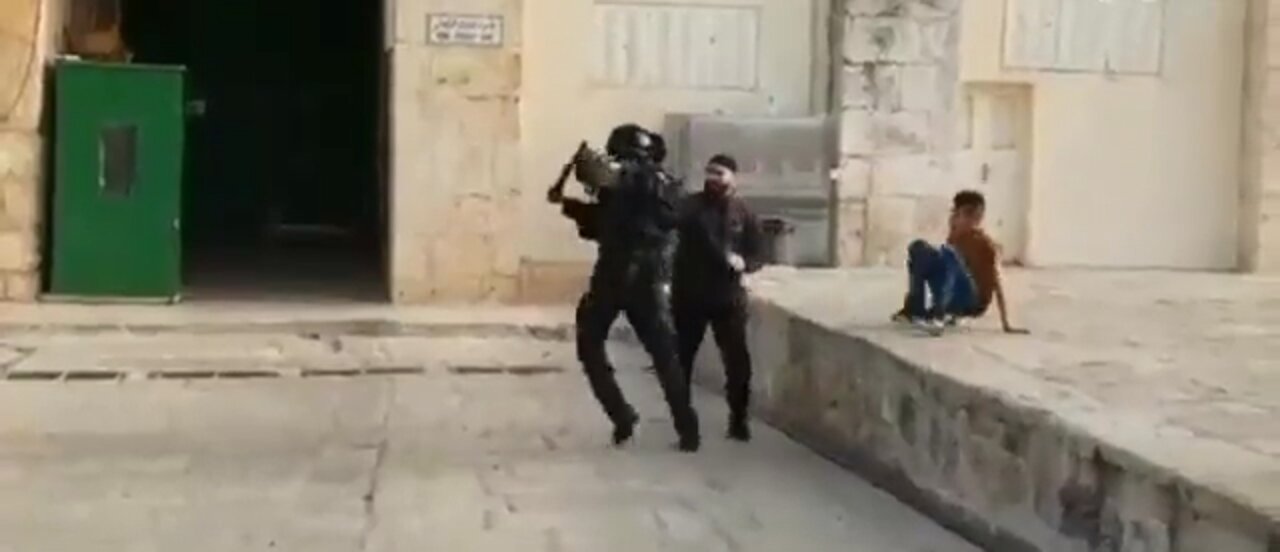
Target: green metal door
118, 181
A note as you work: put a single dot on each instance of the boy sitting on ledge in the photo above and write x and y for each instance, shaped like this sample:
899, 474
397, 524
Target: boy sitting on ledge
961, 275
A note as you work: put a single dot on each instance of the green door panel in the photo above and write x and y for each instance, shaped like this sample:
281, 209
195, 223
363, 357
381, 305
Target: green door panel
118, 181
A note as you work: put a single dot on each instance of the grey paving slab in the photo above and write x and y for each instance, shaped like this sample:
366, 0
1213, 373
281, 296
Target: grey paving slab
437, 461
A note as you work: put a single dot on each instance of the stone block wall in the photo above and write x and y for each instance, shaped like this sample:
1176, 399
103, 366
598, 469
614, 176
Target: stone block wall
899, 89
1260, 188
23, 48
455, 187
1007, 477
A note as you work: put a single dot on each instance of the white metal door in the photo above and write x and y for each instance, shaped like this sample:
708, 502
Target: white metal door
996, 160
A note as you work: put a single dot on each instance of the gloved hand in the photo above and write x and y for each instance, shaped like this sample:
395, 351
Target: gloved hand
736, 262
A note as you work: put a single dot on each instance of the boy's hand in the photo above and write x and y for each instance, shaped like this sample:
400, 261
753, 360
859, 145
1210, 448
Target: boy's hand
1016, 331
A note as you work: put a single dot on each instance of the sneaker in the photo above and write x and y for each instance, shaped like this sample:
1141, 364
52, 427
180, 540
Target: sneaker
625, 431
930, 326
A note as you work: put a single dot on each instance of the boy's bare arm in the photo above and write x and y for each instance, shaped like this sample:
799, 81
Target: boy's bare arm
1003, 306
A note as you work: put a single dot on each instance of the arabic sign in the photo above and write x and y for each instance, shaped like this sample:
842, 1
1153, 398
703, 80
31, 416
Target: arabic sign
464, 30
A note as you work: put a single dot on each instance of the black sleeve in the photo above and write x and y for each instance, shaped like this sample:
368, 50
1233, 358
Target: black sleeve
668, 202
752, 241
583, 214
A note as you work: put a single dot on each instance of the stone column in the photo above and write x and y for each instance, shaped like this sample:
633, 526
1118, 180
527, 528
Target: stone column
898, 116
23, 49
1259, 246
455, 191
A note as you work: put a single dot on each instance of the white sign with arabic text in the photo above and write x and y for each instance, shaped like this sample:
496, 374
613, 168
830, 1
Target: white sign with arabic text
484, 31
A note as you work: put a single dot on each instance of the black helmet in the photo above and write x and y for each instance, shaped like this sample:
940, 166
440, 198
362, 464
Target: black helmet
658, 152
631, 141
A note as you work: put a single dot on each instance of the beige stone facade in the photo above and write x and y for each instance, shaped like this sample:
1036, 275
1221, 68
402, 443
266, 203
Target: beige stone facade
1260, 193
23, 45
1149, 150
1104, 134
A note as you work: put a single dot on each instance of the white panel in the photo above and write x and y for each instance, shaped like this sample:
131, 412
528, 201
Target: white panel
676, 47
1031, 32
1004, 122
1136, 36
1082, 36
1121, 36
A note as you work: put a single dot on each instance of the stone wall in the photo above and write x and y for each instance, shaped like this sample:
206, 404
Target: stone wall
899, 88
23, 32
1007, 476
455, 191
1260, 187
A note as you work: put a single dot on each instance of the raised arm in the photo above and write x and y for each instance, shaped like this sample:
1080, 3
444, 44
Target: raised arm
584, 214
556, 193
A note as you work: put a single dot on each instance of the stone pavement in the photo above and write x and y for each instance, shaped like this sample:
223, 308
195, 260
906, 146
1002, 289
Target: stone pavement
297, 442
284, 317
1155, 396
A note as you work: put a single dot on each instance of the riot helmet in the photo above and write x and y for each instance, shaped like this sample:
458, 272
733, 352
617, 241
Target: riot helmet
630, 141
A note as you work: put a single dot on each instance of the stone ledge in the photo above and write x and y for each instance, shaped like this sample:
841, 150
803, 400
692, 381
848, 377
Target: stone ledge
1093, 434
213, 318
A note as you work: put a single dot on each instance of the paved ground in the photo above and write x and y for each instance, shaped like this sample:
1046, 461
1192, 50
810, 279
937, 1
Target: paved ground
1181, 370
493, 446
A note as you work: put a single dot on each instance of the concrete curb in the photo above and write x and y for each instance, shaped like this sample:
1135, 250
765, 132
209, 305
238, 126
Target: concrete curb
357, 328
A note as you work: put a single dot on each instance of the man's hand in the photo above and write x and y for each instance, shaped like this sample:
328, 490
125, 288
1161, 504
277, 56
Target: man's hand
736, 262
555, 194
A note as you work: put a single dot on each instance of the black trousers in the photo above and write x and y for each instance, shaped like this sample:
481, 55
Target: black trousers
728, 322
647, 305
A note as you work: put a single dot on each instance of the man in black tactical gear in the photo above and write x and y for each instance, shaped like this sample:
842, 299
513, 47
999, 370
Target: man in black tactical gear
634, 222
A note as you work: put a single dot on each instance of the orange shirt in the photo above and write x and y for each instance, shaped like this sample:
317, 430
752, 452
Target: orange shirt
980, 257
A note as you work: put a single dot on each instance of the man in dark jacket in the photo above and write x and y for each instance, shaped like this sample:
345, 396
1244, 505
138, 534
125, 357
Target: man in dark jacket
634, 222
719, 242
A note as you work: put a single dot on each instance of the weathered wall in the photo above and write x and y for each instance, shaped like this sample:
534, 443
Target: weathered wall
455, 193
981, 459
1150, 157
736, 57
1259, 245
899, 88
479, 133
476, 133
24, 44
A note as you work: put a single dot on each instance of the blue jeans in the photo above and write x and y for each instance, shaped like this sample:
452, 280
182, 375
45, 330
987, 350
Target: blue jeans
943, 271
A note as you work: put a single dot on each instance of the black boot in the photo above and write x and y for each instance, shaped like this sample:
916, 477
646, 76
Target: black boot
739, 429
689, 443
624, 430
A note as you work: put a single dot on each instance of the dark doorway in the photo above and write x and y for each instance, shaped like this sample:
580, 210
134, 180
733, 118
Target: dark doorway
282, 197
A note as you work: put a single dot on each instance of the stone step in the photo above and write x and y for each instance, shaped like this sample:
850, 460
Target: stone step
104, 358
1139, 415
551, 323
